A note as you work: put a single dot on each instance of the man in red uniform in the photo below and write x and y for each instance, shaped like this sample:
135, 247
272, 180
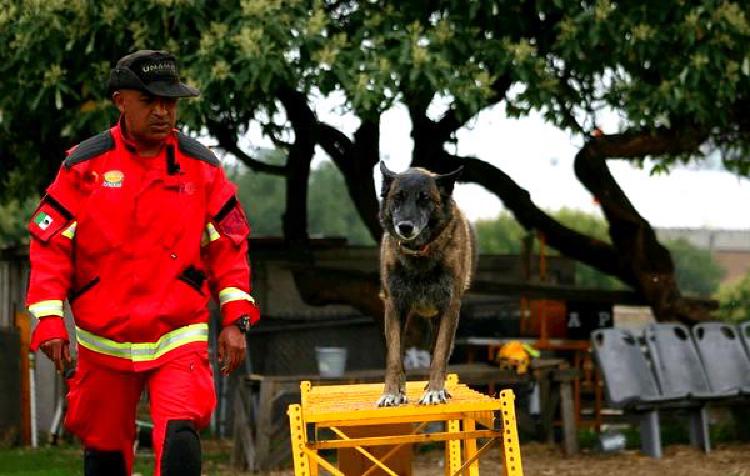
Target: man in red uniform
139, 228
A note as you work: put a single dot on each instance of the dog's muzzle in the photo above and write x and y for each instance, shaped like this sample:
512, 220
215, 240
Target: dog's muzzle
406, 230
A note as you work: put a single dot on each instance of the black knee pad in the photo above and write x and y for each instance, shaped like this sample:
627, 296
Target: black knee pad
182, 450
103, 463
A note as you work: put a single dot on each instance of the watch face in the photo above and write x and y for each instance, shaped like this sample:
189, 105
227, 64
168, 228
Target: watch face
243, 323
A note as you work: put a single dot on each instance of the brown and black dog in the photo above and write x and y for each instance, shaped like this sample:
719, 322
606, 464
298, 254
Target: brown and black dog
427, 260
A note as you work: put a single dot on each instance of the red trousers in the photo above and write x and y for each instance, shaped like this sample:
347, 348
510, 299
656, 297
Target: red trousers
102, 402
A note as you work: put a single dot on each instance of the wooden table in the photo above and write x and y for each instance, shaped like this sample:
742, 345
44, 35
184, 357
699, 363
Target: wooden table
255, 430
581, 350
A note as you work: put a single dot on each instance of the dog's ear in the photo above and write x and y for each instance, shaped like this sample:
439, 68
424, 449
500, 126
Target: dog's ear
388, 177
446, 182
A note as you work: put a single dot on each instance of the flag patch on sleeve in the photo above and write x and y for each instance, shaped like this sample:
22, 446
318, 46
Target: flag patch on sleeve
43, 221
232, 222
47, 220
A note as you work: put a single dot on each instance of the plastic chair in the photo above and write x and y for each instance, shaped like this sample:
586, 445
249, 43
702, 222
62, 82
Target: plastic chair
744, 330
677, 365
629, 378
629, 382
724, 357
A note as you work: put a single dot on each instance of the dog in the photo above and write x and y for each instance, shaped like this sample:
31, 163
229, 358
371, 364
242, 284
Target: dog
427, 261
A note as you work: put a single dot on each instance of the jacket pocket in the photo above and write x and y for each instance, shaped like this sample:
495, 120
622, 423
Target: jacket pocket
83, 289
193, 277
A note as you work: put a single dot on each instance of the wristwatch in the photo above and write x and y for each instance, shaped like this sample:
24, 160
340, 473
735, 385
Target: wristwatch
243, 323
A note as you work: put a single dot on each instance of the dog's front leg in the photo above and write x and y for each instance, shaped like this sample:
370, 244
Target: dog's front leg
435, 392
394, 392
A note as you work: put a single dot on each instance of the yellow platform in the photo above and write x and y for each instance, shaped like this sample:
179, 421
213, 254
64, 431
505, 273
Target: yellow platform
468, 415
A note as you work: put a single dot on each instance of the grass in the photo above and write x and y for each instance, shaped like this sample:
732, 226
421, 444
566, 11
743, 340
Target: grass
54, 461
68, 461
41, 461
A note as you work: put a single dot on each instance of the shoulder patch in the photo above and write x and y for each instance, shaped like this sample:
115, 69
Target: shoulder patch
195, 149
49, 218
91, 148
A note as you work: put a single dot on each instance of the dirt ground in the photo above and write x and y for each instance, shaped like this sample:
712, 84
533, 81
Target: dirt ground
544, 460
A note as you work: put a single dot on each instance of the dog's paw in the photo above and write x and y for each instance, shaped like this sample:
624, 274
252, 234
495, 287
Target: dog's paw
434, 397
391, 400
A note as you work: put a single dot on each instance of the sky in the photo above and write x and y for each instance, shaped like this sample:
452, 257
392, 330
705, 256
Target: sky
539, 157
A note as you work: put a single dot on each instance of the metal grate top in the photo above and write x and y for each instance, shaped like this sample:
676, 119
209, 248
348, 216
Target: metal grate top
356, 404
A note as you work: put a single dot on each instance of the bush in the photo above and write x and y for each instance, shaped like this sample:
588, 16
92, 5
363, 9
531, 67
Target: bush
734, 300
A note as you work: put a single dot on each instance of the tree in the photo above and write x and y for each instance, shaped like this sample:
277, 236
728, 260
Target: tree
504, 235
265, 60
570, 60
589, 225
329, 214
14, 215
55, 67
262, 196
696, 271
734, 300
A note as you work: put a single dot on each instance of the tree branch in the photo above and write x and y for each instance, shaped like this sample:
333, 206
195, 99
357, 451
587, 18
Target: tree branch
579, 246
639, 144
227, 139
450, 122
304, 123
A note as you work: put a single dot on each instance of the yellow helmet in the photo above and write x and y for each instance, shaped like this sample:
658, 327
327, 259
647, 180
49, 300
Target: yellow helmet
516, 355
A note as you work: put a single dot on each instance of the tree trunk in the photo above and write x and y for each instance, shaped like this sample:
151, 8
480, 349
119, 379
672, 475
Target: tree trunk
356, 160
649, 262
294, 222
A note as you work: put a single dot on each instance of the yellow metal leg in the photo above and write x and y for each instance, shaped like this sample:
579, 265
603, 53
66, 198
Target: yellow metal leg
470, 448
453, 448
511, 446
297, 432
314, 456
305, 386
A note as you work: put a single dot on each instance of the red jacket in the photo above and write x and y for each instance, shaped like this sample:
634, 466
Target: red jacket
138, 245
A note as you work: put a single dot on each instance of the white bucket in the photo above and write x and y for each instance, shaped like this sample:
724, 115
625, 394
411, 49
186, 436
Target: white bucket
611, 441
331, 361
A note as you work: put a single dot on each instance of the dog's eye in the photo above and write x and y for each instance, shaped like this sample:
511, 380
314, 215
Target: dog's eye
422, 198
399, 197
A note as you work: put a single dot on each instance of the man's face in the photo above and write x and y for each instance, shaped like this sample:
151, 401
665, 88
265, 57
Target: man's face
148, 118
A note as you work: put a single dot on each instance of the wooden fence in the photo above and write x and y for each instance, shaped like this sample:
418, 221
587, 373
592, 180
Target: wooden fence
14, 275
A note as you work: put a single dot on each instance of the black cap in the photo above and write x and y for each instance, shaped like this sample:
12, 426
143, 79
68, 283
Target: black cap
151, 71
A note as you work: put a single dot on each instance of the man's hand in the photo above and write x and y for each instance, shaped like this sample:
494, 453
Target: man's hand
58, 351
231, 349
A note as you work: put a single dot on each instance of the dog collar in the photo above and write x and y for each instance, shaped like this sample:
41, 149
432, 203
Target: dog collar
422, 251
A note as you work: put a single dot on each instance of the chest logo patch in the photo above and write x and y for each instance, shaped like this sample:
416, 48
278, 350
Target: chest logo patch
113, 178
